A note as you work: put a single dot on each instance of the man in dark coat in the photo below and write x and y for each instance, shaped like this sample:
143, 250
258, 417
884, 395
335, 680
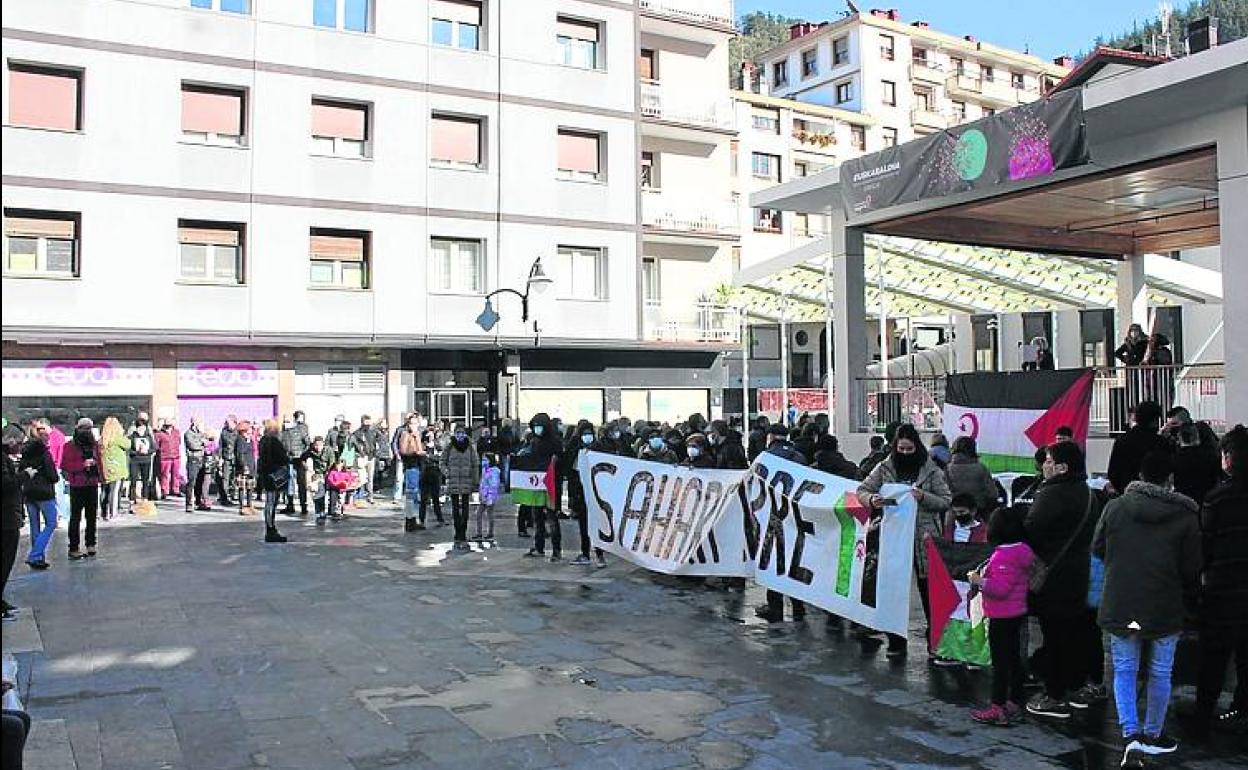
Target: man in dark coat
12, 517
227, 441
544, 444
296, 439
779, 445
1131, 447
828, 458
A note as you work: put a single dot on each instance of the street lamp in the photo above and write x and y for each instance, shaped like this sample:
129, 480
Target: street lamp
537, 283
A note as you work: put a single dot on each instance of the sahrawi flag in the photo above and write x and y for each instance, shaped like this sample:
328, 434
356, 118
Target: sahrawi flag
534, 486
1012, 414
959, 629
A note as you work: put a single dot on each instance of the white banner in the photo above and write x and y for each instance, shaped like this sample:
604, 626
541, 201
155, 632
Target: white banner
793, 529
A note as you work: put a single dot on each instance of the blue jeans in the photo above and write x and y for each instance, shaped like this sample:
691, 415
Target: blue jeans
42, 526
1126, 653
411, 486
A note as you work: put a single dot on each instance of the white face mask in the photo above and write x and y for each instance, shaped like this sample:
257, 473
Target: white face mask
539, 430
694, 451
587, 438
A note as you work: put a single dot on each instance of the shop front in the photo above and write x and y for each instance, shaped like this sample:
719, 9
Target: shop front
63, 391
213, 390
324, 390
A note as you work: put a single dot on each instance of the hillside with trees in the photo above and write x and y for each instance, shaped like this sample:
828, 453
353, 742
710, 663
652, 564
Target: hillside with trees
759, 32
1232, 16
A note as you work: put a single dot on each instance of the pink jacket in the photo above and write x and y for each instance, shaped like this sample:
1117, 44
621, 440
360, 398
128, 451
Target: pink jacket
170, 444
74, 466
1005, 581
340, 480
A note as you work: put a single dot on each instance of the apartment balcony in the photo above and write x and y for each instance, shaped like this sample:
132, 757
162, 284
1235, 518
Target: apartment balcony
681, 116
706, 21
926, 72
684, 219
708, 323
961, 84
924, 118
1004, 93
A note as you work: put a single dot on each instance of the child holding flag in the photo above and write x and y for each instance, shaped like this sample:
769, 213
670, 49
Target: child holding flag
1003, 584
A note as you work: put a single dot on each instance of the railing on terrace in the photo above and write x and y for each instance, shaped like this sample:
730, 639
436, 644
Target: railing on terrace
710, 322
662, 104
718, 12
665, 211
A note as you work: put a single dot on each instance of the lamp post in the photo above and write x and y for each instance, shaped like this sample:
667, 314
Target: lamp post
537, 282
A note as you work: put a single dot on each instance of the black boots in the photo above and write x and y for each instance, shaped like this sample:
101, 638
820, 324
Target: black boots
271, 535
409, 525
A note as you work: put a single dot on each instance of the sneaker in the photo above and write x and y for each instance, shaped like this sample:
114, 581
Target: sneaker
765, 612
534, 554
1014, 712
1044, 706
945, 662
601, 563
273, 536
75, 555
9, 616
37, 565
1085, 696
1133, 753
555, 559
580, 561
522, 533
91, 553
1158, 744
991, 715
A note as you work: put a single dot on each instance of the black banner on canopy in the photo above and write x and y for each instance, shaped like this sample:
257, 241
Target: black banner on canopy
1028, 141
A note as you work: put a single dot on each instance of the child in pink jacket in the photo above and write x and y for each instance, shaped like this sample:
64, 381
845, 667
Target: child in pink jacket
1003, 584
338, 481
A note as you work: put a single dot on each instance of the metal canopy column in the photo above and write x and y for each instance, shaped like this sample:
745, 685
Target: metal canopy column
849, 325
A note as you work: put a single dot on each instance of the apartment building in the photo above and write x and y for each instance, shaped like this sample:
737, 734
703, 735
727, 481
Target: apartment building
246, 206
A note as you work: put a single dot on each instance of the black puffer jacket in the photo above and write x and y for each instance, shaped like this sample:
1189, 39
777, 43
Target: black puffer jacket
1129, 452
1224, 567
1053, 519
1150, 543
296, 440
39, 486
730, 454
831, 460
272, 456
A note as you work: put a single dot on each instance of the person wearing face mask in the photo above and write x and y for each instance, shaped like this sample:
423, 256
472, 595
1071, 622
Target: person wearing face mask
585, 441
729, 447
656, 450
296, 439
536, 455
698, 452
81, 464
142, 456
461, 465
908, 463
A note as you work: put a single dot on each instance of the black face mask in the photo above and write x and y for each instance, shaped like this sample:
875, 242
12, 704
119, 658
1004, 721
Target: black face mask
907, 464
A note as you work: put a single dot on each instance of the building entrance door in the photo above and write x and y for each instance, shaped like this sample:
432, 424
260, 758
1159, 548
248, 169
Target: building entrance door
455, 405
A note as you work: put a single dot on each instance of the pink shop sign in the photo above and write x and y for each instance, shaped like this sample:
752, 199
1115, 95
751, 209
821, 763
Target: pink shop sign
227, 378
77, 378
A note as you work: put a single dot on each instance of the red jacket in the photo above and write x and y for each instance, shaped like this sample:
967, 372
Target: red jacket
169, 442
74, 466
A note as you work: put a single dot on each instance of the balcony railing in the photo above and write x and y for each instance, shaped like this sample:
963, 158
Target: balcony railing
926, 71
709, 322
685, 214
929, 118
964, 83
660, 103
717, 12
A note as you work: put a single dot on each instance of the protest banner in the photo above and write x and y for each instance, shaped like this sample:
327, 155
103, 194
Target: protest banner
792, 528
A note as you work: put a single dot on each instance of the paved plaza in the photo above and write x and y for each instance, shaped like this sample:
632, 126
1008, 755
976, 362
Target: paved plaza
188, 643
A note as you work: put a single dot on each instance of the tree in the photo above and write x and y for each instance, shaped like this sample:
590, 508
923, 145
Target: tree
759, 32
1232, 16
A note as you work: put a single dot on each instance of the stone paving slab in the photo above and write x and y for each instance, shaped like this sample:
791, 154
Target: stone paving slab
188, 643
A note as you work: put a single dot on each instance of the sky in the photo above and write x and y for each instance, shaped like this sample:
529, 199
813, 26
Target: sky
1048, 28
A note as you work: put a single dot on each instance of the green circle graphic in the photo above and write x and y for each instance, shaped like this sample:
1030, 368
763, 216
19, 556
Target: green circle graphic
970, 155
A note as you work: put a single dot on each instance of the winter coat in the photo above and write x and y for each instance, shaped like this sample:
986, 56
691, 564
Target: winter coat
142, 447
491, 484
365, 441
662, 455
116, 457
272, 456
832, 461
244, 455
930, 479
193, 441
730, 454
296, 439
340, 480
384, 447
1195, 472
1053, 519
487, 445
978, 534
321, 461
74, 464
1149, 540
410, 448
462, 468
608, 445
539, 450
228, 441
967, 475
870, 461
704, 459
1005, 580
1128, 455
1224, 566
787, 450
169, 444
11, 514
40, 486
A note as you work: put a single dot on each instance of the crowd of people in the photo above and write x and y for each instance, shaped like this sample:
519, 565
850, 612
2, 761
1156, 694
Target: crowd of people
1157, 549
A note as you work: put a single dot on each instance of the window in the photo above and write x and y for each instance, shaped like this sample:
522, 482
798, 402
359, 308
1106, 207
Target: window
458, 265
958, 65
858, 137
45, 97
888, 48
650, 286
578, 42
340, 128
648, 65
40, 242
582, 273
580, 155
229, 6
890, 92
210, 252
800, 168
840, 51
919, 55
780, 74
649, 177
767, 221
766, 120
959, 110
801, 224
455, 24
455, 140
350, 15
890, 137
213, 115
1096, 332
923, 99
845, 92
765, 166
810, 63
339, 259
1016, 80
986, 72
